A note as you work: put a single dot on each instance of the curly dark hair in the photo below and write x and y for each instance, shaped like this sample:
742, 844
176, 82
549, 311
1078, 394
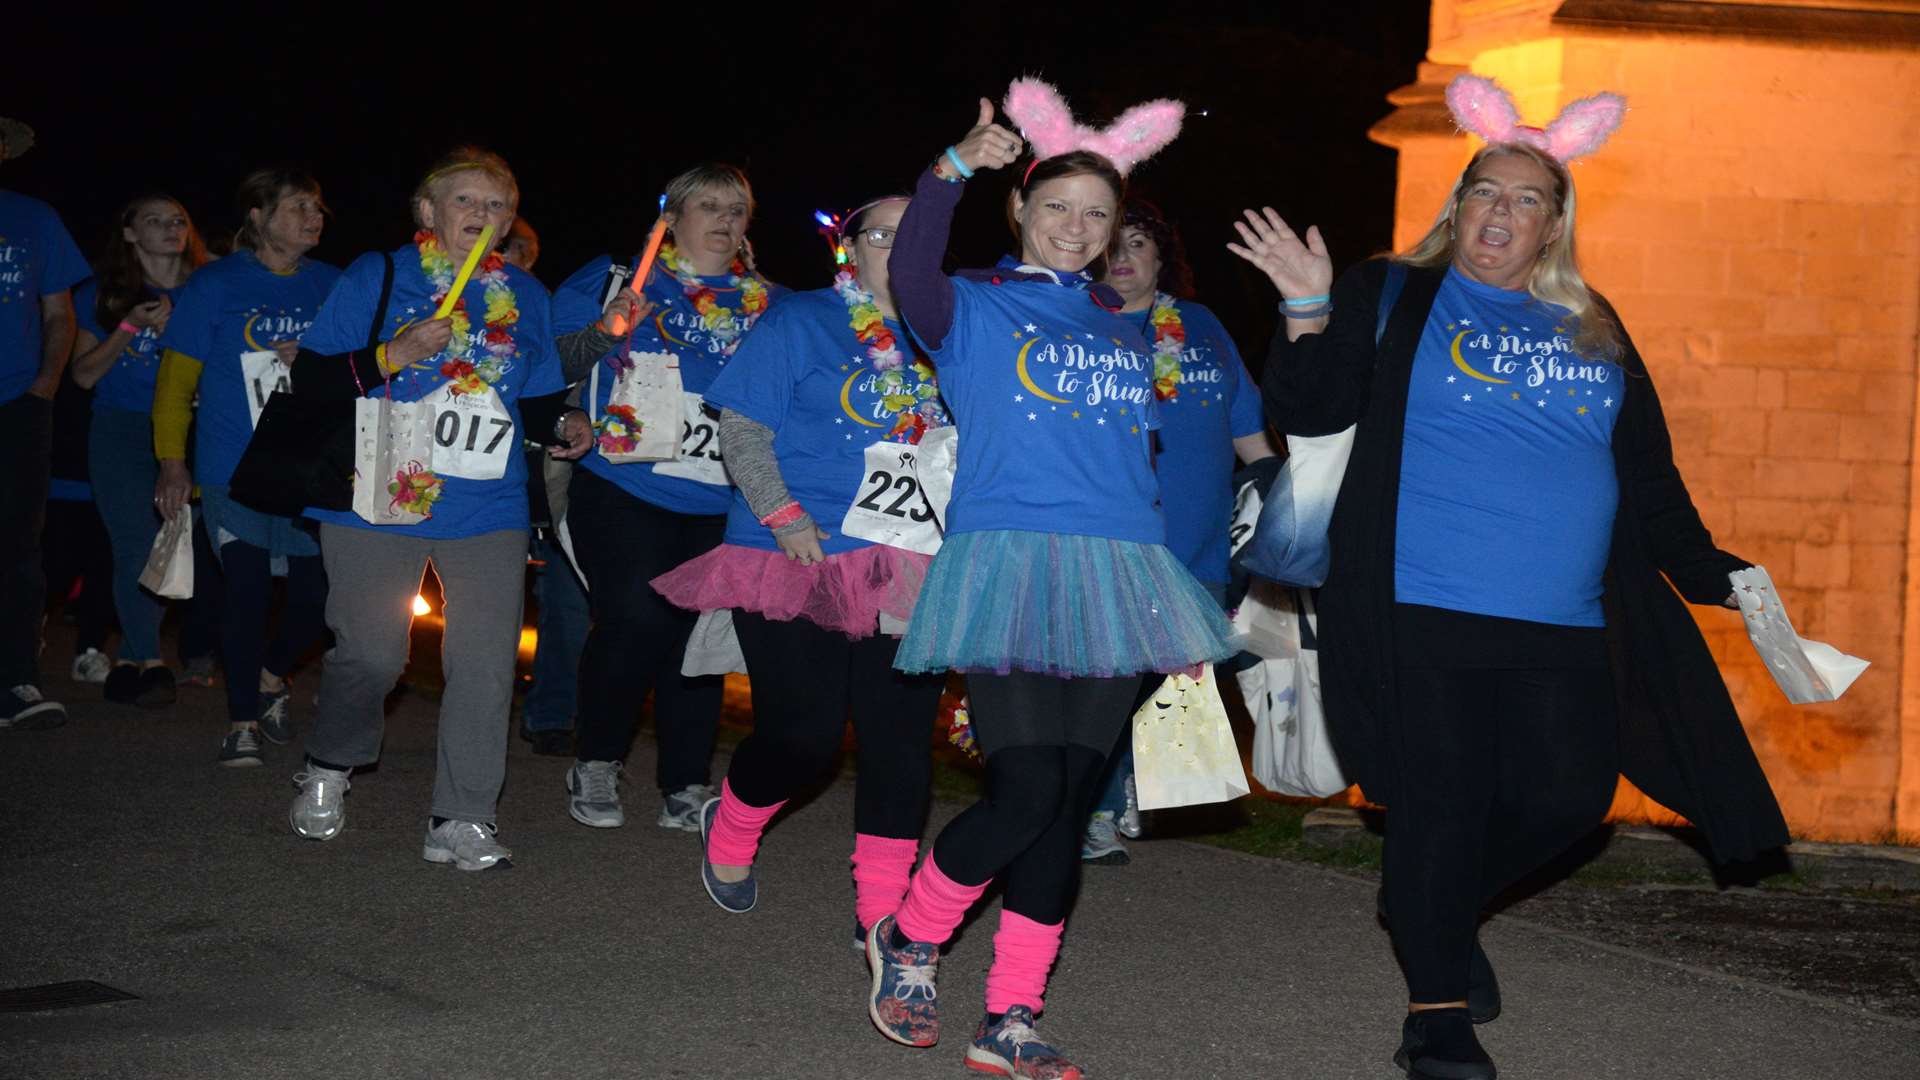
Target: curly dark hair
1176, 276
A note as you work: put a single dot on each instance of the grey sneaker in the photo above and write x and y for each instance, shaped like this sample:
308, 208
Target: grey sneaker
24, 709
91, 667
1129, 820
276, 715
240, 749
1102, 843
681, 810
468, 845
593, 794
319, 811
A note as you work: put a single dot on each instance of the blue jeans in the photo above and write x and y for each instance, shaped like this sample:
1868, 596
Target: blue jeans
562, 625
123, 469
1113, 789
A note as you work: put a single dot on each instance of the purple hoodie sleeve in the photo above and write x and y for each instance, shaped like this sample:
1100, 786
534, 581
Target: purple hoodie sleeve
920, 290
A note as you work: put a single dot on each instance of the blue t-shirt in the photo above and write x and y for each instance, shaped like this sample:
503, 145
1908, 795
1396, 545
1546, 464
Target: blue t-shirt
1507, 485
128, 384
466, 507
802, 373
37, 258
234, 306
1217, 403
674, 327
1053, 396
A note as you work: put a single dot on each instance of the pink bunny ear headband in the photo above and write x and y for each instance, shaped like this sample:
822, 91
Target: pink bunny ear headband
1480, 106
1048, 126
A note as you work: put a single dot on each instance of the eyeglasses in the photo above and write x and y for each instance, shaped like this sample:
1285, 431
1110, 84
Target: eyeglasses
878, 238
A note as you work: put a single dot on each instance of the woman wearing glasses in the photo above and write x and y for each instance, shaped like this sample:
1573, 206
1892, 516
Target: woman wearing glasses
819, 410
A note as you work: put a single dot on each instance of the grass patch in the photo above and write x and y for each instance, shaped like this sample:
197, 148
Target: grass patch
1274, 829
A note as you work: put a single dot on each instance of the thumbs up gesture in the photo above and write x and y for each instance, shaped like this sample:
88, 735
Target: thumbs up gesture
988, 145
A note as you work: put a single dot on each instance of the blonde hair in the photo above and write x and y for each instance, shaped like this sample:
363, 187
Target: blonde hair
460, 159
711, 174
1555, 278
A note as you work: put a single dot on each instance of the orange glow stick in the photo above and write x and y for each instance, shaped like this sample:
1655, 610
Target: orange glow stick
639, 280
481, 247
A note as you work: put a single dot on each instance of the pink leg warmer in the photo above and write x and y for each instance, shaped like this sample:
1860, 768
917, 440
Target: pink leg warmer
1023, 953
881, 866
735, 836
935, 904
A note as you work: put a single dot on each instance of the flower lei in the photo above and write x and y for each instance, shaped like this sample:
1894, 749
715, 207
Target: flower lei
918, 407
472, 362
1169, 344
618, 430
415, 489
720, 322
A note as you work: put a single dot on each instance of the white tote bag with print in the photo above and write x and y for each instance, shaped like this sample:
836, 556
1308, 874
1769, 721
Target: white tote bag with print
644, 414
169, 569
393, 478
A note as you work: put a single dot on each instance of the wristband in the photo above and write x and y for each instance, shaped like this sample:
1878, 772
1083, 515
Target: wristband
1306, 301
953, 158
129, 327
1307, 313
786, 515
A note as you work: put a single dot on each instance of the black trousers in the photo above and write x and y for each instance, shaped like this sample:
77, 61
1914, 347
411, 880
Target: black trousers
76, 552
26, 449
638, 639
248, 600
1500, 770
806, 681
1045, 741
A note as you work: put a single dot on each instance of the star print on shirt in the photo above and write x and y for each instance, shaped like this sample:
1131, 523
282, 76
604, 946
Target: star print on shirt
1581, 411
1032, 416
1019, 397
1030, 328
1608, 403
1453, 378
1466, 397
1542, 403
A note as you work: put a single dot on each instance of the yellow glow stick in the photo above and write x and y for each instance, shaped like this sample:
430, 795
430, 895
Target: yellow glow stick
480, 248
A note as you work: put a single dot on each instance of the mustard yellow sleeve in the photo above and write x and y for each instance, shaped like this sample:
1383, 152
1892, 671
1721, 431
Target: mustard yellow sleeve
173, 404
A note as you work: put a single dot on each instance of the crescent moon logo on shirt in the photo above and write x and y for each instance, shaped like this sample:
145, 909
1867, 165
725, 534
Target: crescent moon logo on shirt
1026, 380
846, 399
1461, 363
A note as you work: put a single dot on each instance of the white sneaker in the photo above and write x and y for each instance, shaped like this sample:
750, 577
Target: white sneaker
1128, 821
1101, 844
593, 795
91, 667
319, 811
468, 845
681, 809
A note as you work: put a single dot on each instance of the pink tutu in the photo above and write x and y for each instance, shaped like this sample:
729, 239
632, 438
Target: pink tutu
848, 592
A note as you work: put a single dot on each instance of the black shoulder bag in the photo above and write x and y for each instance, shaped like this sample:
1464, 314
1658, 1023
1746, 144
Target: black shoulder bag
301, 453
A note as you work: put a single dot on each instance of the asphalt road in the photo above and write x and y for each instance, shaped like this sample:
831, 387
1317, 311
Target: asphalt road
129, 858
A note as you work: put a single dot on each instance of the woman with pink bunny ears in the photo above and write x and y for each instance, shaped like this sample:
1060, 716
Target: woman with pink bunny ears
1498, 643
1053, 590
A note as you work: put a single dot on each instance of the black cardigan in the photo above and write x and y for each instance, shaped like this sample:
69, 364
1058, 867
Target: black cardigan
1680, 739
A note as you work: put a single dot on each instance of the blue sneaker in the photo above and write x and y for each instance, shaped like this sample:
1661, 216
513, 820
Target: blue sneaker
1012, 1048
737, 897
903, 1003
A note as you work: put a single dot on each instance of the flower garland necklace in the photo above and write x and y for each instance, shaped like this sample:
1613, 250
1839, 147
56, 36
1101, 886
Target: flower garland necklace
720, 322
473, 362
1169, 345
918, 407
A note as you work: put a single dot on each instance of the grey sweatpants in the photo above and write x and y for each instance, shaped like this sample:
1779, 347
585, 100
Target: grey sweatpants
372, 577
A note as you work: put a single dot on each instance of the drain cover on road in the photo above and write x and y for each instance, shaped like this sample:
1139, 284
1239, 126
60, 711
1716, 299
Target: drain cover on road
65, 995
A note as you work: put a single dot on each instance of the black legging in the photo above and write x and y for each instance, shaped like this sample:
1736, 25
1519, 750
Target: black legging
76, 551
1499, 771
247, 601
638, 639
805, 680
1045, 740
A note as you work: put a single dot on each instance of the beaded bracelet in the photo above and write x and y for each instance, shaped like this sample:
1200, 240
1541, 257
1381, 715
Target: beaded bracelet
953, 158
786, 515
1307, 313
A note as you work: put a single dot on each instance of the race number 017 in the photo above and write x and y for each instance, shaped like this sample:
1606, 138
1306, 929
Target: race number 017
446, 430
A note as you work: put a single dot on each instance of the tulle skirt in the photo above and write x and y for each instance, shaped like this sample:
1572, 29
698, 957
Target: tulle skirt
848, 592
1060, 605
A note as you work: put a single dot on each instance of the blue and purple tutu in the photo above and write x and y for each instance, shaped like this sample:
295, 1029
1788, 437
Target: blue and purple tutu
1070, 606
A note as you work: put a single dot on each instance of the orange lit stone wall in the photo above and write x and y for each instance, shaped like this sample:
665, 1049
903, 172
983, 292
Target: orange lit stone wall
1757, 223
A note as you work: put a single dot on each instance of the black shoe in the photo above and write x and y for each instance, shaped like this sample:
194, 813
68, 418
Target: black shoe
1483, 987
1439, 1044
550, 742
23, 709
123, 684
156, 688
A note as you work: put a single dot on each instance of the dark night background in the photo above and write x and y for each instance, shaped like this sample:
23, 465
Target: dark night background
596, 114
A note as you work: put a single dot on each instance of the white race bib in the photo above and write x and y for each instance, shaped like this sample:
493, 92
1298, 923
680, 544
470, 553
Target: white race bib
472, 434
699, 458
889, 508
263, 373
